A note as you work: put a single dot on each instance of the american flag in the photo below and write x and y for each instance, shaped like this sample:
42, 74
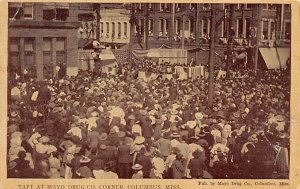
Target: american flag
121, 54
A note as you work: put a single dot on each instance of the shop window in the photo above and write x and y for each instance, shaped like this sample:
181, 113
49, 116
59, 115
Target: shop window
14, 55
29, 52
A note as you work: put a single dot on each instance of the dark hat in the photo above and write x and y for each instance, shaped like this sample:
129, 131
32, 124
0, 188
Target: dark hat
197, 154
98, 164
103, 136
84, 172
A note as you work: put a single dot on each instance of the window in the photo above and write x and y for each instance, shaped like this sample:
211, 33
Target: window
206, 6
265, 28
248, 6
241, 6
150, 7
193, 6
14, 10
226, 6
62, 14
125, 29
60, 50
28, 10
29, 52
205, 27
287, 7
166, 27
160, 27
178, 26
167, 7
287, 30
224, 29
101, 27
113, 25
192, 25
240, 27
49, 11
162, 7
107, 27
14, 57
247, 25
178, 6
150, 27
269, 6
47, 56
119, 30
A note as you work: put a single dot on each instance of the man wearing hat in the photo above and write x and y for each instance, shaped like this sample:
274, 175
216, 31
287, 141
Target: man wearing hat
164, 145
124, 160
145, 161
197, 165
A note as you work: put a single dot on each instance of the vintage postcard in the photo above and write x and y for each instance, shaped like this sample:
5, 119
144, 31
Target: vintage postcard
149, 95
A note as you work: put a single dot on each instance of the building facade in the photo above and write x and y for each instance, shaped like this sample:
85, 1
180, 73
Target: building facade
114, 26
41, 37
188, 25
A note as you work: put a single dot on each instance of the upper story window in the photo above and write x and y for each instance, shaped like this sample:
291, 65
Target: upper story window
206, 6
56, 11
14, 10
28, 10
287, 7
269, 6
193, 6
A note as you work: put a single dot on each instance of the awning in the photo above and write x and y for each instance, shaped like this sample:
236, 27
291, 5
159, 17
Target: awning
140, 53
153, 53
107, 54
85, 43
275, 58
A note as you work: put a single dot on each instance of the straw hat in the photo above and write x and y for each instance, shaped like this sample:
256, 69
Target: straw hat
139, 140
137, 167
198, 115
44, 139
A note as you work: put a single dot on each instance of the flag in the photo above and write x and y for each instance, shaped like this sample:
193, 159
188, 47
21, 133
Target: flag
121, 54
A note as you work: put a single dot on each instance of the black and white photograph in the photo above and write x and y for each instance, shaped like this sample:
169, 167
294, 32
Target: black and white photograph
158, 90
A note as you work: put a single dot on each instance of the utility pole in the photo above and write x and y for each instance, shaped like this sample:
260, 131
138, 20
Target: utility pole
230, 37
258, 37
146, 25
132, 24
212, 57
196, 33
98, 17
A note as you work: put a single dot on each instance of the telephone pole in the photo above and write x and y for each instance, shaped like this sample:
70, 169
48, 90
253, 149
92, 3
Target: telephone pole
212, 57
146, 25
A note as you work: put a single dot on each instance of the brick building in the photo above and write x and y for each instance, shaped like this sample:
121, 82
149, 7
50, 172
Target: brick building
41, 36
170, 23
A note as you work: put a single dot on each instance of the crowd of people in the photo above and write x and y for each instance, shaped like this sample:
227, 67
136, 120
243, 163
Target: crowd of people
100, 126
